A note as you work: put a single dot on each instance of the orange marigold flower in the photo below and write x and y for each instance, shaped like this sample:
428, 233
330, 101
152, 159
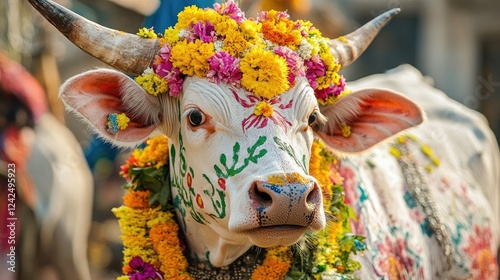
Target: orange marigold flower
167, 244
136, 199
275, 265
282, 37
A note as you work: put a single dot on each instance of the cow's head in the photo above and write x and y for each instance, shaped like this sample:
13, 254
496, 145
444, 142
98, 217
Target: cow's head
240, 138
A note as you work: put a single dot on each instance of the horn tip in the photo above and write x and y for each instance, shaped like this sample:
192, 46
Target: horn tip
394, 11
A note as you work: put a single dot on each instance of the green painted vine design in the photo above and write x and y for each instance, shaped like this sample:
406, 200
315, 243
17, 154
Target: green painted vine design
289, 150
252, 157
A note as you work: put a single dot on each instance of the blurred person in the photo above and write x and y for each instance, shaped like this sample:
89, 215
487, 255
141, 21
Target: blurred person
47, 205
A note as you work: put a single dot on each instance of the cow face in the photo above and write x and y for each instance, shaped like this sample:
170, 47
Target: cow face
249, 157
239, 164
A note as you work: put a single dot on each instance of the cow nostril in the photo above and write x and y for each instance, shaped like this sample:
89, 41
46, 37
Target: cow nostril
314, 196
263, 196
259, 195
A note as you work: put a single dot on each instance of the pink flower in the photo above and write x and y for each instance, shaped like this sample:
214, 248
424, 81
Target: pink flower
293, 61
224, 68
204, 31
332, 90
141, 270
231, 9
315, 68
164, 68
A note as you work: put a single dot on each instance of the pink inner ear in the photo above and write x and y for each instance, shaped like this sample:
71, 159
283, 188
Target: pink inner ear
373, 116
96, 94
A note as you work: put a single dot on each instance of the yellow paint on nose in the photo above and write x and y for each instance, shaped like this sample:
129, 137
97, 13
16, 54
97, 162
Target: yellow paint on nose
283, 179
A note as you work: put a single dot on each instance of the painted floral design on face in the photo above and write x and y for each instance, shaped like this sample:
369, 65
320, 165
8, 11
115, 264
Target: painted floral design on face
222, 183
264, 110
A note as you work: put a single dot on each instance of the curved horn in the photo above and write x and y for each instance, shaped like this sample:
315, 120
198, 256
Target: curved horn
348, 48
124, 51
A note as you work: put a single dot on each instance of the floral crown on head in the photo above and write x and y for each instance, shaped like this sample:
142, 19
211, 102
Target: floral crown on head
264, 56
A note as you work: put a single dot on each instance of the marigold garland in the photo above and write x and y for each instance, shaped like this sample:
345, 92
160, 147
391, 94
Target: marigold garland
266, 54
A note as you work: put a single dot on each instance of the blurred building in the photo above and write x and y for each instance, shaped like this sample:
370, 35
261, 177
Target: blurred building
454, 42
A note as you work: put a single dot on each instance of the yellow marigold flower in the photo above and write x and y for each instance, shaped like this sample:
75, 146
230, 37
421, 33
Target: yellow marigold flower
160, 218
346, 130
155, 153
264, 73
152, 83
122, 121
225, 26
193, 14
136, 241
124, 277
250, 29
156, 150
200, 59
235, 44
192, 57
171, 35
181, 57
147, 33
319, 168
308, 27
187, 16
263, 109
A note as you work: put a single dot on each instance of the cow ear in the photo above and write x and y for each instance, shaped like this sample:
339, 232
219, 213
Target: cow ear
364, 118
95, 94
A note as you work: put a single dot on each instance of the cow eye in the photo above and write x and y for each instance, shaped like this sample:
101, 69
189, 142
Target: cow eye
312, 118
196, 117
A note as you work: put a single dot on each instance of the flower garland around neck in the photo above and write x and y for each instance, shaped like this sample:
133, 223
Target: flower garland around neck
154, 249
264, 56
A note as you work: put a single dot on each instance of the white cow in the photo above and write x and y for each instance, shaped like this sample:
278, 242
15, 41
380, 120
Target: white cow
418, 224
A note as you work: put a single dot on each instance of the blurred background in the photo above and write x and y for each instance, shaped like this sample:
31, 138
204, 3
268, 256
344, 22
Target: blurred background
456, 43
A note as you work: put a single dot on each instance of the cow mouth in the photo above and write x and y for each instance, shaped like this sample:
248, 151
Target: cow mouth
270, 236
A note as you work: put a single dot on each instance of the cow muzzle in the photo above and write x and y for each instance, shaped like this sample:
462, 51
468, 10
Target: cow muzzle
283, 212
